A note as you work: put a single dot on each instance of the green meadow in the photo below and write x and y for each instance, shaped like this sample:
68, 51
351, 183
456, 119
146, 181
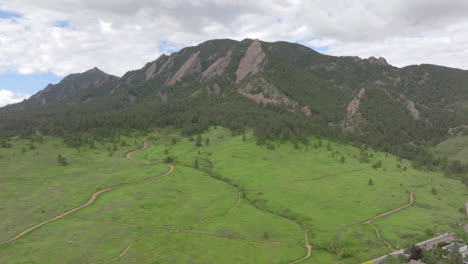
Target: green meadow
455, 148
228, 200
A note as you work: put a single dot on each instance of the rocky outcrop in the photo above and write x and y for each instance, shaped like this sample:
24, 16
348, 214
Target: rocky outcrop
150, 71
252, 61
263, 92
168, 64
217, 68
413, 111
306, 111
411, 107
378, 61
216, 89
458, 131
353, 106
192, 65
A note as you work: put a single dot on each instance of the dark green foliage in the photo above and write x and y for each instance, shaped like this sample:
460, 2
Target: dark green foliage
62, 160
455, 257
416, 253
195, 164
377, 165
429, 257
434, 191
169, 159
207, 142
199, 141
370, 182
266, 236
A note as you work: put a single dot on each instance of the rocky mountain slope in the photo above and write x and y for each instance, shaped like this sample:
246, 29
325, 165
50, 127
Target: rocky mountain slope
70, 85
362, 98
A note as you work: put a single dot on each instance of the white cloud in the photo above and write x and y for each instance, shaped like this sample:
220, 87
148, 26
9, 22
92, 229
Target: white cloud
120, 35
8, 97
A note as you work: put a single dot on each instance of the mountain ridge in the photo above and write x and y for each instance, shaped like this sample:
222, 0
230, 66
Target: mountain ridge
366, 99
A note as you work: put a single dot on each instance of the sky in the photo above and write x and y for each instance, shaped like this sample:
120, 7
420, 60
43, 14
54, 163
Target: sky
43, 41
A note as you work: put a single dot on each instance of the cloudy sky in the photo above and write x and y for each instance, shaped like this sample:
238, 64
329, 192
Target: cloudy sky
42, 41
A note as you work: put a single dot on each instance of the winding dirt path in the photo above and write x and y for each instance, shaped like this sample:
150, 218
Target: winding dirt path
411, 202
93, 197
308, 247
377, 232
128, 154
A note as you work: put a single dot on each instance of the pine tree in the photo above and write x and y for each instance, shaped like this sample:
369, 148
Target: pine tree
199, 141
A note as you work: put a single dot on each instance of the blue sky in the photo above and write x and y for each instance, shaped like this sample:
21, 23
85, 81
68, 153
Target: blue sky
26, 84
8, 15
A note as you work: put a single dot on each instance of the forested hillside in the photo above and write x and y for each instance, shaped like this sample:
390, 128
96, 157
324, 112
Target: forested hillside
281, 90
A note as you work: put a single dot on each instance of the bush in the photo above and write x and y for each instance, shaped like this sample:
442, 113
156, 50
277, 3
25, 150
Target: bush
169, 159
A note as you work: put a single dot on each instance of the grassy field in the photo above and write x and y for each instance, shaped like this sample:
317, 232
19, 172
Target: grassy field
228, 201
455, 148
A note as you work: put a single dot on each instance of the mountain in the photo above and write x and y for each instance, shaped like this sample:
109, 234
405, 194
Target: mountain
70, 85
280, 89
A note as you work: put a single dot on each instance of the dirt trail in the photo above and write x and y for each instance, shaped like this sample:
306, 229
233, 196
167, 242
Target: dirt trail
93, 198
145, 145
123, 252
392, 211
369, 221
308, 247
214, 216
380, 237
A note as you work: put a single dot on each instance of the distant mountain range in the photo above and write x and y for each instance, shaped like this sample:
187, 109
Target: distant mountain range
364, 98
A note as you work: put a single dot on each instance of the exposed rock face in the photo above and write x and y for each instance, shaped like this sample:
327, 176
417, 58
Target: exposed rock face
192, 65
378, 61
218, 67
263, 92
306, 111
150, 72
410, 105
168, 64
163, 96
458, 131
413, 111
252, 61
353, 106
216, 88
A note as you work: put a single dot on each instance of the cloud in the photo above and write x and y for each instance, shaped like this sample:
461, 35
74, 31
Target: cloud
8, 97
70, 36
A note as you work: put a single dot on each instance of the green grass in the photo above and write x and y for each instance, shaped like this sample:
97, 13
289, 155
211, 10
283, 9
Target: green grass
284, 191
455, 148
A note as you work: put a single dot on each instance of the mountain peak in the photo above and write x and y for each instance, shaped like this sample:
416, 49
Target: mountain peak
378, 61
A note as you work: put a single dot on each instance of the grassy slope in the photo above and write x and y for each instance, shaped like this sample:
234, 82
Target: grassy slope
311, 184
455, 148
307, 184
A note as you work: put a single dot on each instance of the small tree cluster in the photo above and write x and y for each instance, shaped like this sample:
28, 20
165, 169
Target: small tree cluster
62, 160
